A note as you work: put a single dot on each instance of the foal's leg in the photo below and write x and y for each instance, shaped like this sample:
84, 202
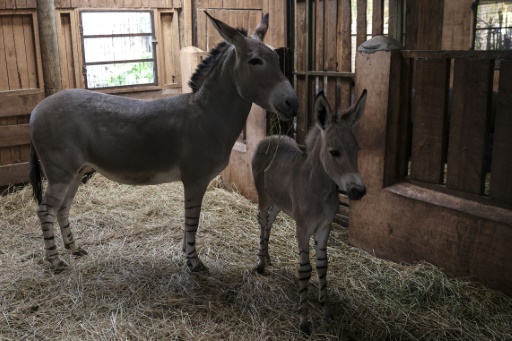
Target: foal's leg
321, 236
266, 217
193, 199
303, 237
63, 218
52, 201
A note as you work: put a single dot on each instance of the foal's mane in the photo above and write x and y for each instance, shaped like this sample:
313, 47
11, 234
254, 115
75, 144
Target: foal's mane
311, 138
197, 79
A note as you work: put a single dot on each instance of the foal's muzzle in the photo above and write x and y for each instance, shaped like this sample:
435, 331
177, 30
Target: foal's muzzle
356, 192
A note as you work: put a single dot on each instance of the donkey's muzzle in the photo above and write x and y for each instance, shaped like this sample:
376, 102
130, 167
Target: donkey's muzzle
285, 101
356, 192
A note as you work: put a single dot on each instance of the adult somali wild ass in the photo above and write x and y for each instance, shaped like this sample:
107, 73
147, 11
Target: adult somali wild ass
304, 186
184, 138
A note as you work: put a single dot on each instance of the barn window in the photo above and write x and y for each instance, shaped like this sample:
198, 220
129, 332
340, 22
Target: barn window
118, 48
493, 27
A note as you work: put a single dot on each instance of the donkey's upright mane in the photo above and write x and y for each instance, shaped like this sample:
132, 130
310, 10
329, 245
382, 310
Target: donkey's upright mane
208, 63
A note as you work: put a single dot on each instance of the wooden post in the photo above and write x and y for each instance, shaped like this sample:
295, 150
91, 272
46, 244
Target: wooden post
49, 46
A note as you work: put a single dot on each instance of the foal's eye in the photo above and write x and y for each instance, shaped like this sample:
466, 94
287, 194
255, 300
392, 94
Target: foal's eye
334, 153
255, 61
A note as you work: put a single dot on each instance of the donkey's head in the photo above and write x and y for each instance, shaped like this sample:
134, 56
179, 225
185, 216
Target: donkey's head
256, 73
339, 150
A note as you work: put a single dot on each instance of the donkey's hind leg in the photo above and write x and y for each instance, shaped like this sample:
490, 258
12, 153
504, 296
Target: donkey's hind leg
63, 218
267, 214
47, 211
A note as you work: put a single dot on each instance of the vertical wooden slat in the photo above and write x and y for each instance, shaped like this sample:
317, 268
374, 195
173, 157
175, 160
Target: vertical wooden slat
501, 169
345, 48
395, 30
21, 51
4, 79
472, 87
28, 33
331, 55
300, 65
319, 31
10, 53
201, 29
362, 25
431, 78
378, 18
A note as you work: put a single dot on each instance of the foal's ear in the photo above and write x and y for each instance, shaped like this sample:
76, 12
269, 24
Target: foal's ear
227, 32
261, 29
322, 111
354, 113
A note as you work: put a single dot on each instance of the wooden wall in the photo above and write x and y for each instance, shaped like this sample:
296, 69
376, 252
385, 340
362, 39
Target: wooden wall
240, 14
21, 72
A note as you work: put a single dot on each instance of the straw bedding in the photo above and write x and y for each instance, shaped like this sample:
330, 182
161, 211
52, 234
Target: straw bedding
133, 284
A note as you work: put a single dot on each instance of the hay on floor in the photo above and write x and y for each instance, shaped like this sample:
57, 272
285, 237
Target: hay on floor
133, 284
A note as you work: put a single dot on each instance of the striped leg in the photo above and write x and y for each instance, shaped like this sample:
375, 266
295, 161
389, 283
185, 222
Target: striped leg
266, 218
63, 219
47, 211
193, 200
321, 236
304, 276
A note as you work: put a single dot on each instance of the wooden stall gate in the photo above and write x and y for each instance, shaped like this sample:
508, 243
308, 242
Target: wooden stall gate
21, 88
437, 162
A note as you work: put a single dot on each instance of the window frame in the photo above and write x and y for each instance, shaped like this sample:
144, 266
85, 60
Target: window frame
154, 58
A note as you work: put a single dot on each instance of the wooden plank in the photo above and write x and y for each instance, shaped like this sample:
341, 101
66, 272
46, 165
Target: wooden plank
472, 88
10, 53
28, 33
201, 29
14, 105
345, 50
14, 174
501, 181
4, 79
21, 4
378, 18
66, 52
14, 135
395, 29
215, 4
21, 51
319, 38
431, 78
411, 24
362, 25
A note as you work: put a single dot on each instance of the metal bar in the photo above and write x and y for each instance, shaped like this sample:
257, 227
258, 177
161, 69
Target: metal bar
350, 75
506, 55
126, 61
119, 35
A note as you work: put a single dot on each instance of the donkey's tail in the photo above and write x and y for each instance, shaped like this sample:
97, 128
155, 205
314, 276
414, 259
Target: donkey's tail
35, 175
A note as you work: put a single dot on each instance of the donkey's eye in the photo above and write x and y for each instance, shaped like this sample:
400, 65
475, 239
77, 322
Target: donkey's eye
255, 61
334, 153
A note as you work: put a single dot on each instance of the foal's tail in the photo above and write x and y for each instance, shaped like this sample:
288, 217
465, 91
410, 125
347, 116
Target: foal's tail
35, 175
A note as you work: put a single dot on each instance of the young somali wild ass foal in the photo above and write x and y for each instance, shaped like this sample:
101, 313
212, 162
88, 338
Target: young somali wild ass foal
184, 138
303, 185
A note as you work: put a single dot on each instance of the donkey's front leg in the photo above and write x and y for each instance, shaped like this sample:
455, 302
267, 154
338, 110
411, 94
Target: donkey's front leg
321, 236
193, 199
304, 276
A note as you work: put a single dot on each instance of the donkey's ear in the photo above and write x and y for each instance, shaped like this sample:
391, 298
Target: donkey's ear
227, 32
261, 29
354, 113
322, 111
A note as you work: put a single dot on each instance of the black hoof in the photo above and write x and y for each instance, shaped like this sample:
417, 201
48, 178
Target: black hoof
305, 328
198, 269
80, 252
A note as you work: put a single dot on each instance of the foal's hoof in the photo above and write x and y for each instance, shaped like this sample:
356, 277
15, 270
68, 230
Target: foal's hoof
79, 252
58, 265
305, 327
198, 269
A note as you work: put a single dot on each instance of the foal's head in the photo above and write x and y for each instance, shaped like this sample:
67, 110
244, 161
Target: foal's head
256, 73
338, 153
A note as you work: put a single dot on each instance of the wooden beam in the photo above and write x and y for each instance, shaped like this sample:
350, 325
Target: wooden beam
14, 105
14, 174
49, 47
362, 24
